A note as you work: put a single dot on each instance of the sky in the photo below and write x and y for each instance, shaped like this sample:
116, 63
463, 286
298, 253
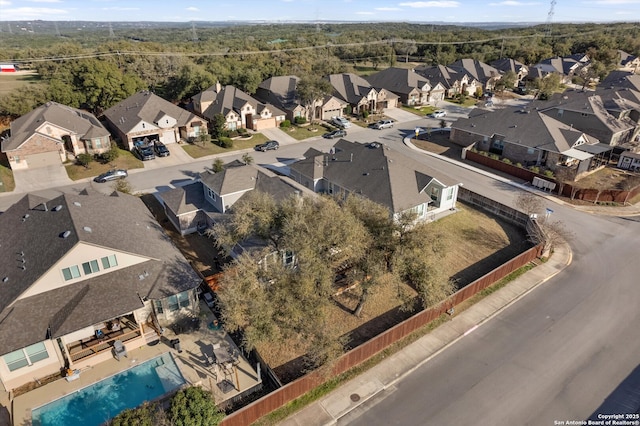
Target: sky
450, 11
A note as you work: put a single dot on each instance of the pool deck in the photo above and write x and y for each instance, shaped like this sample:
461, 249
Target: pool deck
192, 361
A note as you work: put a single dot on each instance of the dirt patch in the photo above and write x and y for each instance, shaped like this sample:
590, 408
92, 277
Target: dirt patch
607, 178
438, 143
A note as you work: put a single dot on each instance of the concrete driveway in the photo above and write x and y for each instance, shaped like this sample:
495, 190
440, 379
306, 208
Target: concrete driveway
41, 178
400, 115
178, 156
276, 134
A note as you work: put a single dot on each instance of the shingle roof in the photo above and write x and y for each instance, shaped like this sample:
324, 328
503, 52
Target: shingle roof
440, 74
478, 70
279, 91
398, 80
350, 87
34, 233
228, 99
76, 121
508, 64
526, 127
376, 172
621, 80
148, 107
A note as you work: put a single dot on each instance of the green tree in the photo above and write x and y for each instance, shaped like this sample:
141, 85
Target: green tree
547, 85
218, 165
84, 159
194, 406
311, 89
122, 185
19, 102
218, 126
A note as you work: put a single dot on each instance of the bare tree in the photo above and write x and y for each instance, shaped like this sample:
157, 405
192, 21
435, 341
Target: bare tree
563, 176
529, 203
548, 233
629, 184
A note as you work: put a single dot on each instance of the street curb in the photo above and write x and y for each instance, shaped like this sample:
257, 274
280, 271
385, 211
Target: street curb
483, 321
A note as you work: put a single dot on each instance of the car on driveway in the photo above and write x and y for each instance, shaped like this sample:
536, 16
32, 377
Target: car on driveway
111, 175
438, 114
267, 146
161, 149
335, 134
383, 124
144, 153
341, 122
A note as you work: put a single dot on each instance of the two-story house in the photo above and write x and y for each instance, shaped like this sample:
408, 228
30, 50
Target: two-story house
507, 64
281, 91
240, 110
360, 94
380, 174
411, 87
566, 67
453, 81
479, 71
628, 62
80, 271
51, 132
146, 116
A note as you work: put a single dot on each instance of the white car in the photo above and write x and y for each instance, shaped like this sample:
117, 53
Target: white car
341, 122
383, 124
438, 114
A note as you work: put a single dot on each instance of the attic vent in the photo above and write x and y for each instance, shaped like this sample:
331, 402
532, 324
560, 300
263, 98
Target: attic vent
87, 229
77, 203
5, 279
25, 217
57, 208
65, 234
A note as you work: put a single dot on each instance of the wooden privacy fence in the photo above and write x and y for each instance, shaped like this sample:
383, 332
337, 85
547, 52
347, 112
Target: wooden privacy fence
299, 387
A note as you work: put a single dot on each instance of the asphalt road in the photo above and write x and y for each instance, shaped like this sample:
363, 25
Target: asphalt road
567, 350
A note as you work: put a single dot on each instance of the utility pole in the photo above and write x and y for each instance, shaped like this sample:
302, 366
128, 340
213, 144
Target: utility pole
111, 34
194, 36
550, 17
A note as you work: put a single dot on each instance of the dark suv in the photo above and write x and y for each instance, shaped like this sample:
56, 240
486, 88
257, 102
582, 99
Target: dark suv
144, 153
161, 150
267, 146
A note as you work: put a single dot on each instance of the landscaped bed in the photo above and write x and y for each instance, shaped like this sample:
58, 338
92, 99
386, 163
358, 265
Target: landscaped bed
126, 160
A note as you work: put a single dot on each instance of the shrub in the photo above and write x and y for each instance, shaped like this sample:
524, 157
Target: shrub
300, 120
519, 165
506, 161
225, 142
285, 124
535, 169
194, 406
365, 114
494, 156
242, 131
548, 173
84, 159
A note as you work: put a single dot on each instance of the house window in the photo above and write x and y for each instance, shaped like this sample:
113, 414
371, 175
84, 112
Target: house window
98, 143
27, 356
530, 151
159, 306
173, 303
16, 159
90, 267
109, 261
434, 192
89, 144
449, 193
143, 125
183, 299
71, 272
211, 194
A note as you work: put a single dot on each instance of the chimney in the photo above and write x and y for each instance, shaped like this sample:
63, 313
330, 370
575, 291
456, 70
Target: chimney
218, 86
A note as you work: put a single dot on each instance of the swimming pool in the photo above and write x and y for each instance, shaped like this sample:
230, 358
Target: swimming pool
101, 401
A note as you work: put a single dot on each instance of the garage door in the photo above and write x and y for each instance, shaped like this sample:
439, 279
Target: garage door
43, 159
168, 137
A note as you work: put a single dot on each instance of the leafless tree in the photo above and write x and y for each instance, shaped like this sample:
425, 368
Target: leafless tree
549, 233
528, 202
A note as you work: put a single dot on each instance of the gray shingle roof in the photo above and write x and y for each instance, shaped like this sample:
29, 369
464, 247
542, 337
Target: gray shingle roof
508, 64
478, 70
148, 107
279, 91
398, 80
350, 87
76, 121
33, 233
228, 99
440, 74
378, 173
526, 127
621, 80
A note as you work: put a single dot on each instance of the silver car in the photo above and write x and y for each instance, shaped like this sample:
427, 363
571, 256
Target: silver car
111, 175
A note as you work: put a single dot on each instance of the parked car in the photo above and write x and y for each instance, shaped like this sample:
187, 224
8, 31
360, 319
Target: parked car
161, 150
335, 134
341, 122
438, 114
267, 146
111, 175
144, 153
521, 90
383, 124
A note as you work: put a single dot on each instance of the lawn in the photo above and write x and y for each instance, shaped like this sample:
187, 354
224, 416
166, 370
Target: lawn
197, 150
13, 81
476, 243
6, 176
302, 133
126, 160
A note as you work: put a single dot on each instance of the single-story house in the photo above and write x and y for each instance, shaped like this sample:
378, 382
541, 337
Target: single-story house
198, 205
146, 116
46, 135
240, 110
380, 174
80, 271
529, 137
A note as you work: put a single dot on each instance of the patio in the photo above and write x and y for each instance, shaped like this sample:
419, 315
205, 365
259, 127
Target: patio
206, 356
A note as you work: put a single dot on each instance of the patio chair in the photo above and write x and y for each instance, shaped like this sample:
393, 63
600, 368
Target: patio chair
119, 349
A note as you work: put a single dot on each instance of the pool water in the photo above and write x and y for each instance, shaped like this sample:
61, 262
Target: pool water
101, 401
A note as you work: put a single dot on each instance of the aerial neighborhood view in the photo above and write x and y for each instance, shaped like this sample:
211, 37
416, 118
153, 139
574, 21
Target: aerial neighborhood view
319, 213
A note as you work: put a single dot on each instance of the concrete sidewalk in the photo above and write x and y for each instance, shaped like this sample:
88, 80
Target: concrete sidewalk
340, 402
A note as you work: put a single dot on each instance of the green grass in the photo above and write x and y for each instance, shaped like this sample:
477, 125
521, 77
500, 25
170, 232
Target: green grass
126, 160
297, 404
6, 176
302, 133
196, 150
